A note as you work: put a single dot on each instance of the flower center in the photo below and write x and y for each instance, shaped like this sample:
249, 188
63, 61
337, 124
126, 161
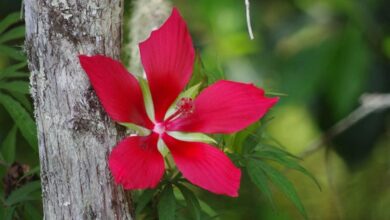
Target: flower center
184, 107
159, 128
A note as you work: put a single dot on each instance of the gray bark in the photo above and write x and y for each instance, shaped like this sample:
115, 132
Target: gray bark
75, 135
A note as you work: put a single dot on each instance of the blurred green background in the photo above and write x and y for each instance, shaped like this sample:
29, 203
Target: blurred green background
323, 54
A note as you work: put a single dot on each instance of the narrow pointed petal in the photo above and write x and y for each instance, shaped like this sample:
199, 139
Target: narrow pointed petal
136, 163
168, 57
205, 166
117, 89
224, 107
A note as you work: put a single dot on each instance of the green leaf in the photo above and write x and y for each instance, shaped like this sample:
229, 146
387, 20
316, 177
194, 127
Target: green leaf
258, 177
31, 212
287, 161
34, 170
282, 183
23, 100
24, 193
167, 204
144, 199
203, 205
191, 200
15, 33
193, 137
13, 53
16, 86
8, 146
9, 20
22, 119
9, 213
16, 74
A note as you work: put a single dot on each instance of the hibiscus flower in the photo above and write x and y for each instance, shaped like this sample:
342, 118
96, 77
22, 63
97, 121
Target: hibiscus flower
224, 107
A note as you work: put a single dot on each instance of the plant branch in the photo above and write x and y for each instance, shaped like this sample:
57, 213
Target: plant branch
369, 103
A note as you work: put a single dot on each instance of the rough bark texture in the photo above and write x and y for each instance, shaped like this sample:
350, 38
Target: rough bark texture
147, 15
75, 135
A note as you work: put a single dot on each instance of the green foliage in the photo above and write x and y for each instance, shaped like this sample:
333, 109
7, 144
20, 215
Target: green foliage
192, 202
22, 119
167, 204
27, 192
24, 200
8, 147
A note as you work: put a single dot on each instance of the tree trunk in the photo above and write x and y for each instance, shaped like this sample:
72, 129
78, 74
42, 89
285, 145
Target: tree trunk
75, 135
147, 15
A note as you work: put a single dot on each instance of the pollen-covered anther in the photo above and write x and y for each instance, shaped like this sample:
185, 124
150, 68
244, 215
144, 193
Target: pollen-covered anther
185, 106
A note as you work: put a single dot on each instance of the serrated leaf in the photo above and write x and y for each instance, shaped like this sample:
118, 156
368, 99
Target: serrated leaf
9, 20
267, 147
21, 87
22, 119
286, 161
11, 52
203, 205
193, 137
282, 183
24, 193
191, 200
258, 177
8, 146
15, 33
167, 204
144, 199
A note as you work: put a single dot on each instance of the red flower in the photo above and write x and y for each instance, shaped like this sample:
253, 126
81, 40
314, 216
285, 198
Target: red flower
224, 107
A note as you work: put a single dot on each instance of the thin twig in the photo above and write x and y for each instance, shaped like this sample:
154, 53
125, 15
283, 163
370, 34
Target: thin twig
369, 104
248, 19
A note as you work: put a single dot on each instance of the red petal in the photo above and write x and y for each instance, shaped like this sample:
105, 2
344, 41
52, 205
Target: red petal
117, 89
224, 107
205, 166
136, 163
168, 57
